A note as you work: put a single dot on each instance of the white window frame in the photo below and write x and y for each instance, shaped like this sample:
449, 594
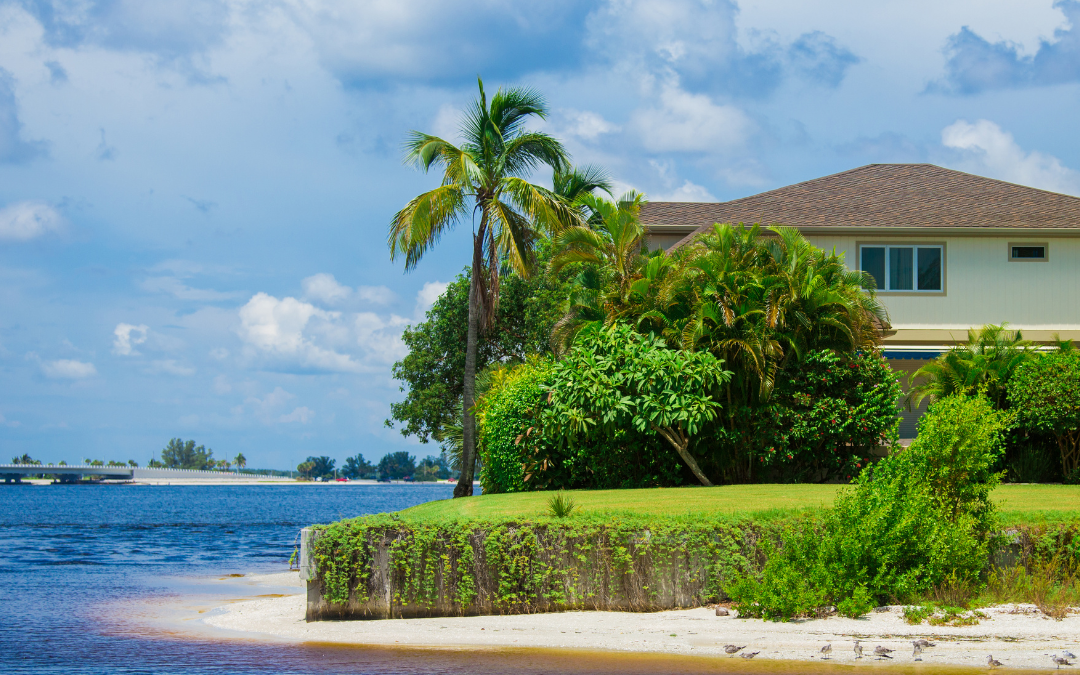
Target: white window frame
915, 266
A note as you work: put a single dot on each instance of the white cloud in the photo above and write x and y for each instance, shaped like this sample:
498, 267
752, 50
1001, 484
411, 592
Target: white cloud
275, 328
176, 288
325, 288
427, 296
269, 409
126, 336
986, 149
687, 192
68, 369
170, 367
685, 122
303, 415
376, 295
584, 124
24, 221
380, 338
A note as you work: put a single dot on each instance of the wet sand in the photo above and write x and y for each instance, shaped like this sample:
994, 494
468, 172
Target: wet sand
1018, 635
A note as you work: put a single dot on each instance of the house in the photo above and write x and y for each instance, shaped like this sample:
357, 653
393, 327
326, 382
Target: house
949, 250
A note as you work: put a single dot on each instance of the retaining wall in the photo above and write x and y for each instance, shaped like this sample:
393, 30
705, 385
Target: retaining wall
457, 570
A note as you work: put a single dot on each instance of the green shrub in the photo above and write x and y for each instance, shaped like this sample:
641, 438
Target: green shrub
827, 412
507, 412
1045, 392
917, 519
623, 411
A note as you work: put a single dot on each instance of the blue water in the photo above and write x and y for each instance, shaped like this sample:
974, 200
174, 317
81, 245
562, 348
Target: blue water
77, 563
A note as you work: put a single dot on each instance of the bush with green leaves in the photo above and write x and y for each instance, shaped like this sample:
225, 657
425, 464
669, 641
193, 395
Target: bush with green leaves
505, 414
1045, 392
827, 412
915, 519
618, 390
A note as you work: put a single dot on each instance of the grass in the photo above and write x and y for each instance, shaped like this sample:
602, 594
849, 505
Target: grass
1020, 504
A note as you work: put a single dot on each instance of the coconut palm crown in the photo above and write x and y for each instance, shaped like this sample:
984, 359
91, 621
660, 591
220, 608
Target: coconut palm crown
485, 177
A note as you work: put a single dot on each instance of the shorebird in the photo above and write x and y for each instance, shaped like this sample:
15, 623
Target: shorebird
918, 650
1060, 661
749, 655
826, 650
1069, 655
883, 652
731, 649
858, 650
924, 643
992, 662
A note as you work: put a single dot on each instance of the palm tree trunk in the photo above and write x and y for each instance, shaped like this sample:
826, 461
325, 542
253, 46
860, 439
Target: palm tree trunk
464, 487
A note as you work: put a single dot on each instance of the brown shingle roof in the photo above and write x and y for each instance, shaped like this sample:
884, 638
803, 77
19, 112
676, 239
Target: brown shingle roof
883, 195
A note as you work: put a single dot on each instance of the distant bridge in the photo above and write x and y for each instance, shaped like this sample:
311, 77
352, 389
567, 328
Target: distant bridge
72, 473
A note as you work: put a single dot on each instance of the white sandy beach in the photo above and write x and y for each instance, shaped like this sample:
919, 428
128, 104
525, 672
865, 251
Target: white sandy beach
1018, 635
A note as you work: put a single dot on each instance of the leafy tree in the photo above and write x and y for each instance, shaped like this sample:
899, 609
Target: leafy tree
616, 378
321, 467
826, 413
240, 461
432, 468
26, 459
486, 175
1045, 393
397, 465
180, 454
133, 464
306, 469
432, 373
357, 467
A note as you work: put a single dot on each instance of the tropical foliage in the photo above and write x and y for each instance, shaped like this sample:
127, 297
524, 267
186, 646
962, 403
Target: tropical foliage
485, 175
1045, 393
180, 454
920, 520
985, 364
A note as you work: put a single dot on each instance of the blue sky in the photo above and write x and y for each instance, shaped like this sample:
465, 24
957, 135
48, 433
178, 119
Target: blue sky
194, 195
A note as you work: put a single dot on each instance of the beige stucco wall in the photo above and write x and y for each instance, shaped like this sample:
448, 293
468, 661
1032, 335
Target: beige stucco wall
982, 286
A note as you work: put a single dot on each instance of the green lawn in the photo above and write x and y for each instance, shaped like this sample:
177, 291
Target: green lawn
1019, 503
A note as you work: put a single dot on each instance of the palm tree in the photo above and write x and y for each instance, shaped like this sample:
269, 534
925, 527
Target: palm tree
240, 461
610, 245
486, 174
986, 362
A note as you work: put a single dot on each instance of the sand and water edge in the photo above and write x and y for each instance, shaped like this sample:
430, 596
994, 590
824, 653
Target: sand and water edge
1019, 636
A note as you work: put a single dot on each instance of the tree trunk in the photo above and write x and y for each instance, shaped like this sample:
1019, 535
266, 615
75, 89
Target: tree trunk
464, 487
681, 442
1069, 444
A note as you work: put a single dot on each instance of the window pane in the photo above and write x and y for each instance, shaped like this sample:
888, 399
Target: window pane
901, 273
1029, 252
873, 261
929, 269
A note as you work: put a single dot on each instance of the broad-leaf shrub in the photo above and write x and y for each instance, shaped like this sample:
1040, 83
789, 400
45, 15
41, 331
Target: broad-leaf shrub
916, 518
507, 415
615, 379
827, 412
1045, 392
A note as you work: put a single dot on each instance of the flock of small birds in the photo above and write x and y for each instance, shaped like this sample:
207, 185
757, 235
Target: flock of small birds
883, 653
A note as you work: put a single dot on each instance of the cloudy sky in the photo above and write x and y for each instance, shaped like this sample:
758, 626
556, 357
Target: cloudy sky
194, 195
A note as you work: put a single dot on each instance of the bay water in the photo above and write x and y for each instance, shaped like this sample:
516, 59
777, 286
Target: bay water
86, 570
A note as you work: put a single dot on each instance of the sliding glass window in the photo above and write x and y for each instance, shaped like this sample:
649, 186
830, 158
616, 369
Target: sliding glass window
903, 268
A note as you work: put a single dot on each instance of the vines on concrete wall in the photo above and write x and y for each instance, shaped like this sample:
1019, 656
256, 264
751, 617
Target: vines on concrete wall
386, 566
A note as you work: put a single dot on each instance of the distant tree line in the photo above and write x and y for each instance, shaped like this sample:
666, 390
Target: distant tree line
394, 466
